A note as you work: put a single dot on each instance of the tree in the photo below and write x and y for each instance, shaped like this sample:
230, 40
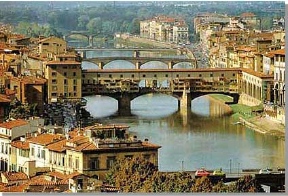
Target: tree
202, 184
130, 174
94, 26
246, 184
83, 21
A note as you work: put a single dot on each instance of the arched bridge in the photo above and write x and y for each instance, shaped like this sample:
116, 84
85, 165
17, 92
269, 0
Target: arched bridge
83, 33
138, 61
184, 84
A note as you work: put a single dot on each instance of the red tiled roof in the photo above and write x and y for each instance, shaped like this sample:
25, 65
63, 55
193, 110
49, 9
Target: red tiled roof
257, 74
4, 99
30, 80
72, 175
280, 51
15, 188
58, 146
45, 139
63, 63
58, 175
20, 144
15, 176
9, 92
13, 123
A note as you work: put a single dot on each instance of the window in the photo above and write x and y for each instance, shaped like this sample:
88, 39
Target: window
65, 74
166, 75
65, 82
98, 75
54, 74
94, 163
53, 66
233, 74
155, 76
43, 154
54, 81
54, 94
32, 151
132, 75
74, 88
74, 73
121, 76
70, 161
77, 162
177, 75
144, 76
110, 162
188, 75
211, 74
110, 75
75, 82
222, 75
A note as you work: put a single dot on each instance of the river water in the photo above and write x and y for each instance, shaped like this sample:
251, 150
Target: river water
203, 137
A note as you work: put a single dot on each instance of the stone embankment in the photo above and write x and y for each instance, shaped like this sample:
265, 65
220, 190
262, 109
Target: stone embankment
260, 123
264, 125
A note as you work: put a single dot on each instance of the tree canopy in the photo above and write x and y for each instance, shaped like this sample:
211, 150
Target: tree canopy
140, 175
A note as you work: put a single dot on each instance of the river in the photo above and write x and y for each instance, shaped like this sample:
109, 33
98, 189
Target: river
203, 137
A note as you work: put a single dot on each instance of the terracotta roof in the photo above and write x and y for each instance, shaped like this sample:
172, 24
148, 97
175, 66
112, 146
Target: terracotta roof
66, 55
74, 174
257, 74
269, 54
58, 146
30, 80
20, 144
15, 176
15, 188
58, 175
4, 99
45, 139
280, 51
63, 63
9, 92
13, 123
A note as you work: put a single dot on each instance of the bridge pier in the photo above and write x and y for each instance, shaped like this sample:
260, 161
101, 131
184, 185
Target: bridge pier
138, 64
101, 65
83, 54
184, 103
171, 64
124, 104
90, 40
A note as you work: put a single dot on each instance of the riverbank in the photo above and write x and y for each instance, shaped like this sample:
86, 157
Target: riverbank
260, 123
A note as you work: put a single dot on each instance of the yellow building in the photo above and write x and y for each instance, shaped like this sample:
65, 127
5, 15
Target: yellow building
48, 47
63, 76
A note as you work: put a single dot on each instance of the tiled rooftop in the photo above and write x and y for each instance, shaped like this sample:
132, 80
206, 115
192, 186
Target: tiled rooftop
20, 144
15, 176
45, 139
13, 123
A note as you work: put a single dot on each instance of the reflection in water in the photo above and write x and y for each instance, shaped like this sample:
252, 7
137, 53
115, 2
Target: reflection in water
195, 137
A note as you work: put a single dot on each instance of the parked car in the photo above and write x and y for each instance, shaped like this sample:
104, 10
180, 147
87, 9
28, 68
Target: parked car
202, 172
218, 172
264, 171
